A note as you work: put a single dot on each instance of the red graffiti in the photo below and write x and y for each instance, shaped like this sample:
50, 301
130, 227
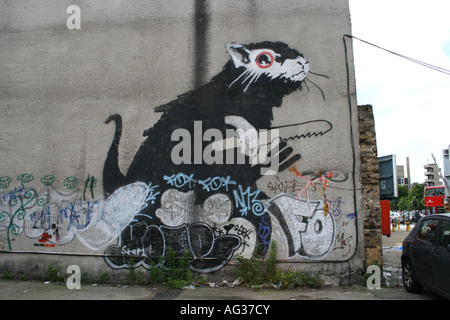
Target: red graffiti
45, 237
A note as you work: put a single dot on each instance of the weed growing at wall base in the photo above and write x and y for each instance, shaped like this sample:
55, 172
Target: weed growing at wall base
7, 275
259, 273
173, 270
54, 274
103, 278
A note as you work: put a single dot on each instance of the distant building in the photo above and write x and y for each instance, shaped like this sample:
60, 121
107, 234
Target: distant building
446, 173
403, 180
432, 175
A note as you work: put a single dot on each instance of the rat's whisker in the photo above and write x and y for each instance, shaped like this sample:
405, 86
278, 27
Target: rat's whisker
321, 91
318, 74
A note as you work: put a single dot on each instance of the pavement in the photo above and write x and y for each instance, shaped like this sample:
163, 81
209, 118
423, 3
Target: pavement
392, 289
38, 290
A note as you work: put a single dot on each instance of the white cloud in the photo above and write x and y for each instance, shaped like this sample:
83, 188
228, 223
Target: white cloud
411, 103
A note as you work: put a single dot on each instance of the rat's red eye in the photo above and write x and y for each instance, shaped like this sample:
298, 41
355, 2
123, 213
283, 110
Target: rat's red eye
264, 60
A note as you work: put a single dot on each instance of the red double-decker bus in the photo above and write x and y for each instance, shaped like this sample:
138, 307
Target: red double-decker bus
434, 200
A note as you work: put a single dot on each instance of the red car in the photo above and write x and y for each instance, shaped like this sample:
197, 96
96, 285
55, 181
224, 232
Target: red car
426, 256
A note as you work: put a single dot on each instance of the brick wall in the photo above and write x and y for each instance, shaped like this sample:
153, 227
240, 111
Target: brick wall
373, 251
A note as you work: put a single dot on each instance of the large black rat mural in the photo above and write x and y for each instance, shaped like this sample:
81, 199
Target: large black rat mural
250, 85
211, 208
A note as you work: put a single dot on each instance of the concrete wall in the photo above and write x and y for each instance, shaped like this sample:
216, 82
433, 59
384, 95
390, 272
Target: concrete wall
96, 194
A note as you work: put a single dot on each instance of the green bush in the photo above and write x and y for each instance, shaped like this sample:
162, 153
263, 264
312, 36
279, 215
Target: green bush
131, 276
289, 278
178, 273
7, 275
172, 270
54, 274
258, 272
104, 277
156, 274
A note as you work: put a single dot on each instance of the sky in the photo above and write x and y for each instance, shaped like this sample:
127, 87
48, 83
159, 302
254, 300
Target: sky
411, 103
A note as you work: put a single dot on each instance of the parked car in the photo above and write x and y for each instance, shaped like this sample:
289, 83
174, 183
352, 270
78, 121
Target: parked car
394, 217
416, 217
426, 255
406, 216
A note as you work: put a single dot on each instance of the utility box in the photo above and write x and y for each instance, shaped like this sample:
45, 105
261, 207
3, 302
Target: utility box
385, 217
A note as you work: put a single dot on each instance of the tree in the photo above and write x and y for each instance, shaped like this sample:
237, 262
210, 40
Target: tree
404, 203
402, 191
416, 194
412, 200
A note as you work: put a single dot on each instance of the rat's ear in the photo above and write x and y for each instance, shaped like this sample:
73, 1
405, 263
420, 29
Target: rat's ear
238, 53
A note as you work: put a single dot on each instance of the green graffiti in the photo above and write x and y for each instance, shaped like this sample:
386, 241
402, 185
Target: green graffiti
4, 182
20, 203
71, 182
25, 178
48, 180
91, 183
